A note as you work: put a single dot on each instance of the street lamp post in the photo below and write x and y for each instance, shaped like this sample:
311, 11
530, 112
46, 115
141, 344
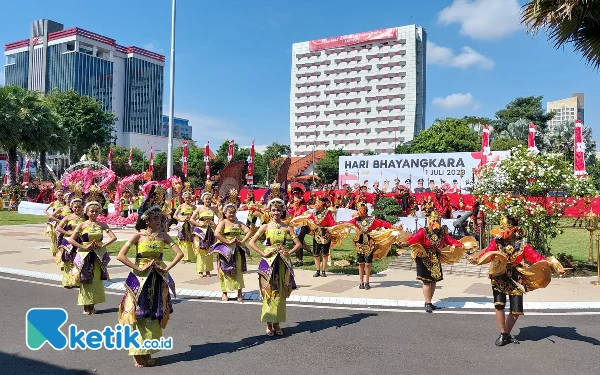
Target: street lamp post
171, 96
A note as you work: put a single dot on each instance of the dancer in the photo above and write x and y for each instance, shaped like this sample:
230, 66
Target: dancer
510, 276
231, 250
92, 257
185, 228
322, 225
296, 208
372, 244
275, 274
431, 247
51, 227
204, 235
147, 304
66, 252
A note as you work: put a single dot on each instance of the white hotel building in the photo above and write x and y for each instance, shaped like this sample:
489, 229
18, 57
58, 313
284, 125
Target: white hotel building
358, 92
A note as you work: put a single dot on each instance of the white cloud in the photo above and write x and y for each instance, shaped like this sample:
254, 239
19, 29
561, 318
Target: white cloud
444, 56
457, 100
483, 19
207, 128
153, 47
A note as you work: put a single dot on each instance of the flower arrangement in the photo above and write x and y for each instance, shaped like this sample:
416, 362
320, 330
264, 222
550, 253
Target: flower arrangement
536, 188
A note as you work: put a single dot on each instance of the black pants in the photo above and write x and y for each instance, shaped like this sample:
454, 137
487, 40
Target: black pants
300, 253
516, 302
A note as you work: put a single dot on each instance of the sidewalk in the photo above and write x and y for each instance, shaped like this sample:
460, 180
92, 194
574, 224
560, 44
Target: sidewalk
25, 252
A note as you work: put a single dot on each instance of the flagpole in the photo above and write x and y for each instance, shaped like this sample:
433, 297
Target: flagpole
171, 96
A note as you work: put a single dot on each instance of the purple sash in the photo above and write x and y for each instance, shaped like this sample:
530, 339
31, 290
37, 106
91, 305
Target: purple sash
85, 264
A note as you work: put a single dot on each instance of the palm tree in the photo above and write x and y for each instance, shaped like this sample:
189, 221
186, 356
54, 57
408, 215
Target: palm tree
18, 108
567, 21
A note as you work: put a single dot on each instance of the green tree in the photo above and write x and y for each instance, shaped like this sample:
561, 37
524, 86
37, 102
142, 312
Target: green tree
404, 148
84, 120
387, 209
370, 152
575, 22
529, 108
446, 135
23, 121
559, 139
328, 167
120, 159
272, 158
504, 144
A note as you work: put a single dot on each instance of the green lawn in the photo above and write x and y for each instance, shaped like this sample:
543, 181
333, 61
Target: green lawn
309, 264
574, 242
15, 218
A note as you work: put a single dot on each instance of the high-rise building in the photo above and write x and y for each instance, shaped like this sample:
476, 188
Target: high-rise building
569, 109
182, 128
360, 92
128, 81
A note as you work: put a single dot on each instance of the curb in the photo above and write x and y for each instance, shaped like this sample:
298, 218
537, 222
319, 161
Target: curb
331, 300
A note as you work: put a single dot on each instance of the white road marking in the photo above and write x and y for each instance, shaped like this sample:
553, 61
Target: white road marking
366, 309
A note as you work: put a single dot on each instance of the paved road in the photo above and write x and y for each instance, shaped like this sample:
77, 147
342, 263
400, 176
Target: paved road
212, 337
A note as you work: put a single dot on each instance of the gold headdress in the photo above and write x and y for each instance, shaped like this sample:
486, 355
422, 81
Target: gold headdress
208, 190
434, 215
275, 191
58, 186
231, 199
94, 197
187, 190
504, 223
74, 191
154, 202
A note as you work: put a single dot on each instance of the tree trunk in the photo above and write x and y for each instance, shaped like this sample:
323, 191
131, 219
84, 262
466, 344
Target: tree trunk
13, 179
42, 168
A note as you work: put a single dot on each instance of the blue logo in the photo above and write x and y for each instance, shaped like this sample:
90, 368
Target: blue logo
43, 326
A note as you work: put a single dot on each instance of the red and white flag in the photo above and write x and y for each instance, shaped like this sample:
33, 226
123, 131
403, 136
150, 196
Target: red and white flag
531, 138
110, 159
184, 159
151, 165
485, 145
130, 161
230, 151
579, 162
6, 172
250, 175
207, 160
26, 174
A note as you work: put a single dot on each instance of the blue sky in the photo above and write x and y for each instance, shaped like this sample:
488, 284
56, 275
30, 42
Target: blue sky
234, 56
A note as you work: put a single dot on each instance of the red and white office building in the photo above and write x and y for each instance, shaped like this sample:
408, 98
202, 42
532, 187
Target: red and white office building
358, 92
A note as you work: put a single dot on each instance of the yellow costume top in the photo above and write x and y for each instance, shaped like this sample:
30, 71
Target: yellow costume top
205, 217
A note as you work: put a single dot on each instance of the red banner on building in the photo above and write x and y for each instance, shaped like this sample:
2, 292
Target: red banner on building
348, 40
184, 159
579, 162
250, 175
